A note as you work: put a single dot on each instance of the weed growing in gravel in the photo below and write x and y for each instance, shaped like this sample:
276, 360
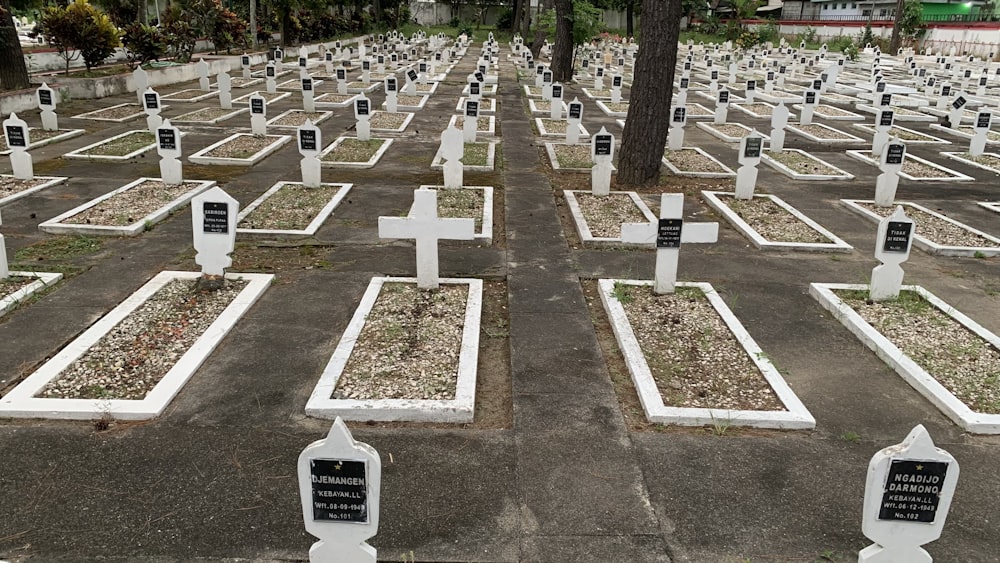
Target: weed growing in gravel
850, 436
622, 292
59, 248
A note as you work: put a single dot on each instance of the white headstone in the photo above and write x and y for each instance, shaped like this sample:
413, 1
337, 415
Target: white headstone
470, 124
18, 141
667, 234
616, 88
750, 91
308, 104
258, 114
426, 228
362, 116
203, 69
152, 106
141, 81
779, 120
675, 135
982, 128
602, 152
410, 88
721, 107
168, 146
341, 76
310, 145
340, 485
892, 248
270, 77
245, 65
391, 95
213, 218
452, 151
890, 163
225, 84
574, 117
810, 98
751, 147
883, 123
908, 493
46, 98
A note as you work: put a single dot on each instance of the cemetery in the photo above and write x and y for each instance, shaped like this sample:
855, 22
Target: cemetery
440, 282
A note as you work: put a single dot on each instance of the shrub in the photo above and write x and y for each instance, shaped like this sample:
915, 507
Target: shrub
80, 30
505, 21
769, 32
142, 43
179, 34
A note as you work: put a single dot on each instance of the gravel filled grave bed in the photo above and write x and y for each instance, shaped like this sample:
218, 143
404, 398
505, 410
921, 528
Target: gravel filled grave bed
605, 214
772, 221
459, 203
391, 120
803, 164
991, 161
243, 146
690, 160
189, 94
913, 167
822, 132
37, 135
905, 134
933, 228
10, 185
114, 113
573, 156
297, 117
351, 149
12, 283
208, 115
292, 208
123, 145
131, 205
482, 123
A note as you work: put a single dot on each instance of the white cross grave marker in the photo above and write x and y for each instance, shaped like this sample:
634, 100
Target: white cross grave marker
750, 91
168, 146
452, 151
202, 69
675, 135
809, 100
680, 100
308, 104
270, 78
470, 124
245, 65
982, 128
391, 94
225, 84
751, 147
310, 145
721, 107
426, 228
410, 88
945, 93
363, 115
602, 152
338, 467
779, 120
213, 218
616, 88
883, 123
152, 106
141, 81
892, 248
897, 528
667, 234
573, 119
341, 75
47, 104
890, 163
556, 104
18, 140
258, 114
598, 78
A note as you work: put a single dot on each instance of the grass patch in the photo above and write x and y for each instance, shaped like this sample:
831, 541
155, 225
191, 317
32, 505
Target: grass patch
58, 249
354, 150
476, 154
122, 146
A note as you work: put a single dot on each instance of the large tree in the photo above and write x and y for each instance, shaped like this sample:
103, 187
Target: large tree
13, 72
562, 51
652, 86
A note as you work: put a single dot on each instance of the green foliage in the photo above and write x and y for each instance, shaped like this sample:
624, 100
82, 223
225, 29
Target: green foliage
142, 43
911, 24
808, 35
748, 38
121, 12
769, 32
179, 34
321, 26
867, 37
82, 28
505, 20
587, 22
851, 52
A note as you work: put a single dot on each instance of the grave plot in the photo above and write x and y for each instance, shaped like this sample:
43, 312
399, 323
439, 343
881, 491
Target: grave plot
295, 118
350, 152
772, 224
776, 96
416, 103
474, 202
728, 132
190, 95
701, 367
556, 128
382, 371
693, 161
917, 169
485, 124
426, 89
935, 233
332, 100
967, 132
946, 356
544, 107
359, 87
838, 98
486, 90
901, 114
159, 336
800, 165
17, 287
240, 82
569, 158
241, 149
389, 121
832, 113
759, 110
968, 116
599, 219
991, 205
118, 148
536, 91
127, 211
910, 136
824, 134
40, 137
732, 96
486, 105
698, 111
295, 85
12, 189
244, 100
477, 157
613, 109
208, 116
986, 161
291, 209
118, 114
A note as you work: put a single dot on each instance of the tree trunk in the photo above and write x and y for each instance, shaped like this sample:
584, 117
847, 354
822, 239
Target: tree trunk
526, 20
562, 51
515, 22
895, 39
645, 132
630, 18
13, 72
536, 44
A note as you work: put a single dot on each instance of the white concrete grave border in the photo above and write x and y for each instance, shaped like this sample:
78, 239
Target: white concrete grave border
902, 117
770, 161
459, 410
90, 114
543, 132
924, 138
313, 226
362, 88
711, 130
550, 150
405, 107
49, 181
180, 118
43, 280
66, 134
819, 112
924, 243
386, 143
321, 104
323, 116
56, 225
740, 107
533, 107
244, 100
733, 98
913, 374
485, 234
491, 155
991, 205
583, 229
484, 90
849, 140
200, 158
295, 85
22, 403
955, 176
491, 127
698, 111
204, 95
958, 156
486, 105
796, 417
962, 134
836, 244
400, 129
603, 105
240, 82
79, 153
724, 172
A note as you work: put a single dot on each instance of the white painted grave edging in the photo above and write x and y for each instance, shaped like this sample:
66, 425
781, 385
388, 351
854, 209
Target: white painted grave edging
320, 103
840, 140
963, 134
904, 117
486, 105
550, 150
698, 111
323, 116
400, 129
48, 183
200, 158
423, 102
924, 138
66, 134
313, 226
362, 88
607, 110
991, 205
172, 97
724, 172
821, 109
79, 153
491, 154
11, 301
460, 409
180, 118
955, 176
842, 175
926, 244
90, 114
583, 230
543, 132
485, 234
797, 417
491, 127
22, 403
56, 225
245, 98
711, 130
836, 244
913, 374
340, 164
747, 111
959, 157
533, 107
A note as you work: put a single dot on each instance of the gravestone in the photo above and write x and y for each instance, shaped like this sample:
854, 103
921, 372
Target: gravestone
598, 78
475, 88
279, 58
366, 72
310, 145
547, 85
883, 123
140, 79
982, 83
152, 106
270, 78
616, 88
721, 107
202, 69
982, 128
328, 63
955, 113
410, 88
4, 268
341, 75
602, 152
391, 95
680, 100
470, 124
751, 148
258, 114
667, 234
245, 65
890, 163
308, 103
168, 146
945, 93
892, 248
424, 226
213, 217
574, 117
362, 116
303, 61
18, 141
750, 92
779, 120
809, 101
46, 98
340, 486
908, 493
225, 85
452, 151
555, 106
675, 135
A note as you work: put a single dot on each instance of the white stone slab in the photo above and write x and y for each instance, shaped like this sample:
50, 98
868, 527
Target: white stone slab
491, 154
923, 138
49, 181
460, 409
367, 164
22, 403
221, 118
490, 130
954, 176
485, 233
57, 226
65, 134
313, 226
711, 130
79, 153
200, 158
173, 96
959, 157
583, 230
796, 417
543, 132
43, 280
849, 140
725, 171
910, 371
926, 244
836, 244
90, 114
323, 116
770, 161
